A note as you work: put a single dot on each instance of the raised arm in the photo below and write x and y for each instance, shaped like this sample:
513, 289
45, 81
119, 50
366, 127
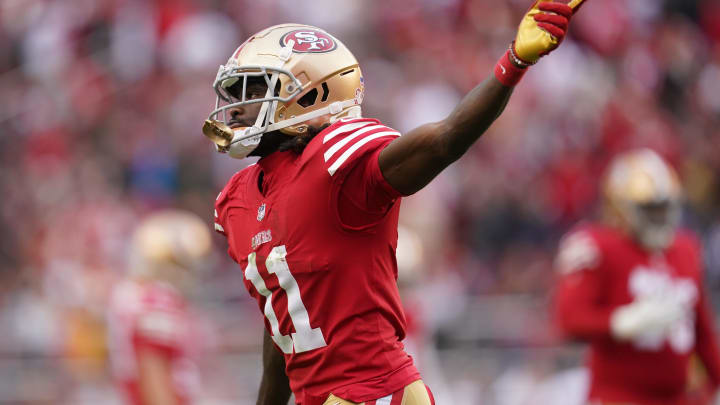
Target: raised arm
411, 161
274, 386
414, 159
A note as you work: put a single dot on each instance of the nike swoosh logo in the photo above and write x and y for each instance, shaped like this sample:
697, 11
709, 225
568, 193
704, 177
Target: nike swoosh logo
503, 69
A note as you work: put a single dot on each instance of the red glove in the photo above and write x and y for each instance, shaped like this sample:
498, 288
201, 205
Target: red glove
541, 31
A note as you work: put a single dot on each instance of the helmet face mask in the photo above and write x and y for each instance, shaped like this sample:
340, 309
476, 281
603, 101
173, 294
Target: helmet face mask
643, 194
233, 76
253, 90
308, 74
653, 224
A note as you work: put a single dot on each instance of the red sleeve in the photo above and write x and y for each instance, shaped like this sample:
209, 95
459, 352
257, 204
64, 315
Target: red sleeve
162, 322
365, 196
706, 344
159, 330
579, 310
350, 151
219, 228
706, 339
707, 347
222, 201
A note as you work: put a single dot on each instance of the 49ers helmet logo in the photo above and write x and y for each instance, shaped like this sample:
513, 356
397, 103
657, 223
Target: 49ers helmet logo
309, 41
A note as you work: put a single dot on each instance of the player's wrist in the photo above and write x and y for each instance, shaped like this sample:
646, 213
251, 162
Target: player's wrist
517, 60
508, 71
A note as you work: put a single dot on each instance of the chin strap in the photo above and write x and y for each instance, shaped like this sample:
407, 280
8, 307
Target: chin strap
333, 109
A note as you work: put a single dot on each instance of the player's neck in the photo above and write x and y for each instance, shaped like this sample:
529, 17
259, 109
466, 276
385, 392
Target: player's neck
270, 143
260, 178
276, 141
271, 168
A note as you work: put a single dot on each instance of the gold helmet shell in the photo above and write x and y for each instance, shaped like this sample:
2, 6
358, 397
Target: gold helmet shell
638, 180
310, 75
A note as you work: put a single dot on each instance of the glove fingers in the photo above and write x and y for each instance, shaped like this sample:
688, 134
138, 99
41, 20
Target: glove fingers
554, 19
554, 30
557, 8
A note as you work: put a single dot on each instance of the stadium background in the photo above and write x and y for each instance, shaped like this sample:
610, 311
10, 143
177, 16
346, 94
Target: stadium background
101, 104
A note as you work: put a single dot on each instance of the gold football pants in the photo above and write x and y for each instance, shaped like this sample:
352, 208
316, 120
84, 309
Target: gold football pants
413, 394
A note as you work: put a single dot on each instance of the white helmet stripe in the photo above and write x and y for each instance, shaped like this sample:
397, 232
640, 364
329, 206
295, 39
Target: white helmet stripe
660, 175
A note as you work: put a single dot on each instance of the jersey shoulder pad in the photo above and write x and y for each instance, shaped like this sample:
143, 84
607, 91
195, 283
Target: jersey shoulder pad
161, 320
580, 249
344, 142
160, 327
163, 297
228, 193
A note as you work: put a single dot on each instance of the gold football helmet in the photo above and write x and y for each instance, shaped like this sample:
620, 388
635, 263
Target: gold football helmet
168, 245
309, 75
643, 195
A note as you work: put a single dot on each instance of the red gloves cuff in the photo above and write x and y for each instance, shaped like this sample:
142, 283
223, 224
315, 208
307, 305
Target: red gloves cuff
507, 73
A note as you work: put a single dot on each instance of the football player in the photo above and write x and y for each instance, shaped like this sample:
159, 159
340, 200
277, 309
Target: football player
313, 225
631, 286
151, 330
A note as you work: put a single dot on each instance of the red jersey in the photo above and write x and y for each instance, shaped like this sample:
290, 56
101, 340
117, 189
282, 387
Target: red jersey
151, 316
317, 250
602, 268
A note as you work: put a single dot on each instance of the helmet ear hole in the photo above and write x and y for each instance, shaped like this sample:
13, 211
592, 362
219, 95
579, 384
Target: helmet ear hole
308, 99
311, 96
326, 92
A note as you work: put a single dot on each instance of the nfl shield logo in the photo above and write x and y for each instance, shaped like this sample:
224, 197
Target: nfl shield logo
261, 212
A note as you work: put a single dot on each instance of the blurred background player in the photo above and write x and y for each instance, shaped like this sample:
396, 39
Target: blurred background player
152, 335
632, 286
314, 224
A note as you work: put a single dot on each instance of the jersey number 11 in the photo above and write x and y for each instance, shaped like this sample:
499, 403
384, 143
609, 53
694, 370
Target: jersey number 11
305, 337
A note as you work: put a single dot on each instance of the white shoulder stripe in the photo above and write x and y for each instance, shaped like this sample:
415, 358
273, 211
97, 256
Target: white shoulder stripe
331, 151
345, 128
349, 119
219, 227
336, 165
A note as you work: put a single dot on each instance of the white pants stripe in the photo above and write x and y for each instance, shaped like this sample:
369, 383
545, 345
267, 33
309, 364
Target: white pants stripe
384, 400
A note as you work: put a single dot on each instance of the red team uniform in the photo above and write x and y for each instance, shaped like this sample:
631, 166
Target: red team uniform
317, 248
314, 228
602, 268
151, 316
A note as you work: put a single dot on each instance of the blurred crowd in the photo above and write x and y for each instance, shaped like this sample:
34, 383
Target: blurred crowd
101, 104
